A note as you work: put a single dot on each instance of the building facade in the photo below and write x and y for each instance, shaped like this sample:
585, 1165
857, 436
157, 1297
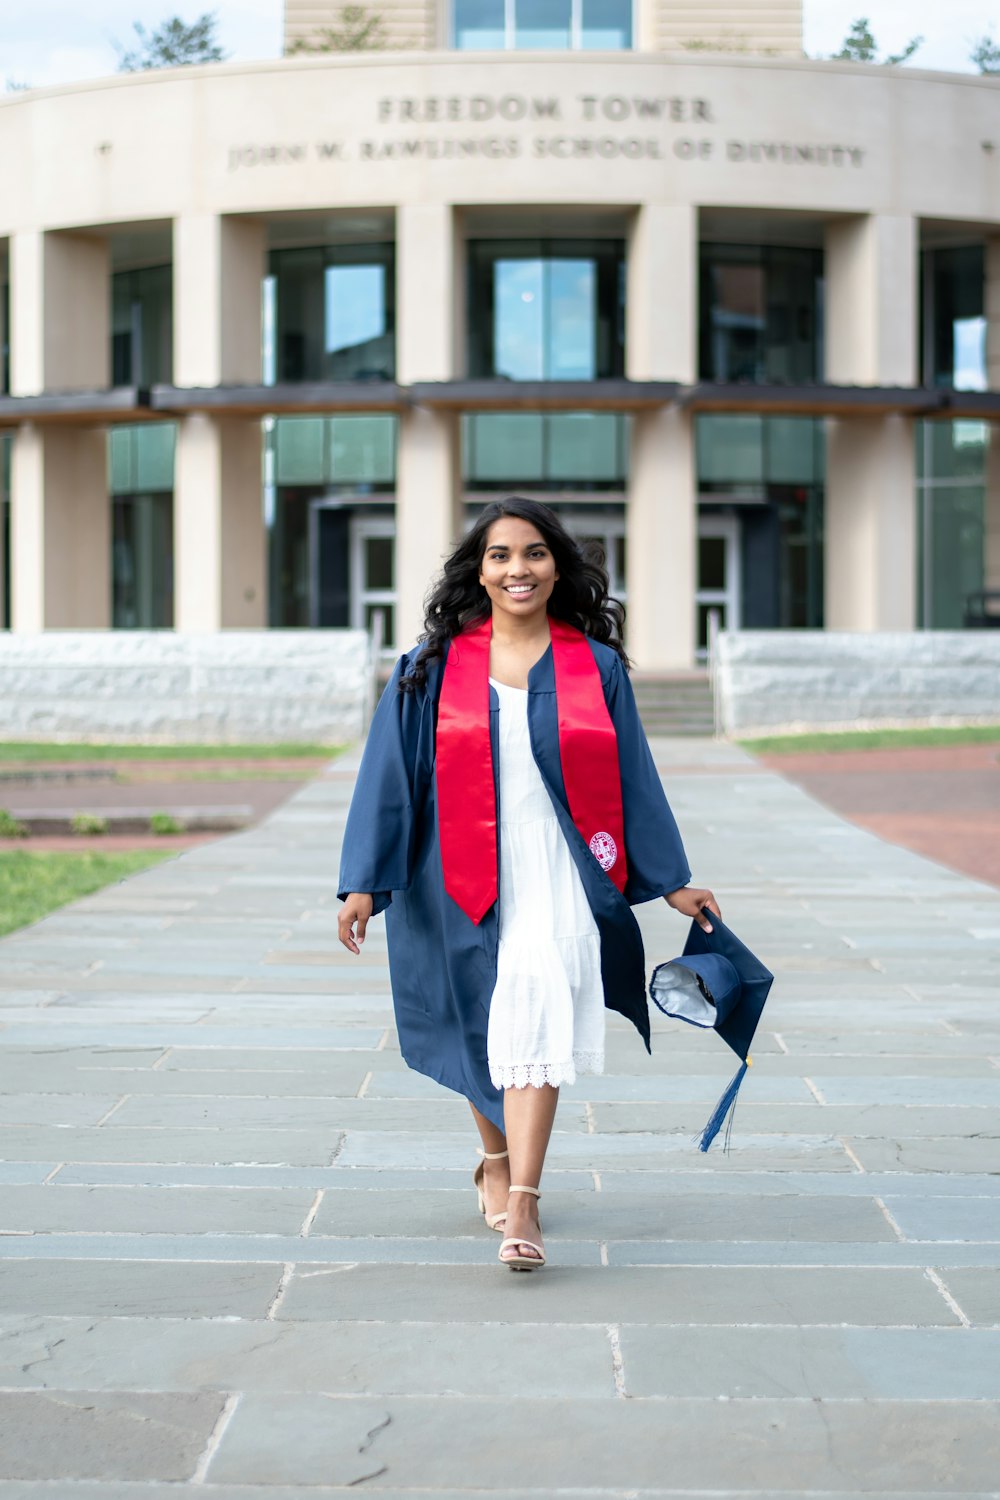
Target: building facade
273, 332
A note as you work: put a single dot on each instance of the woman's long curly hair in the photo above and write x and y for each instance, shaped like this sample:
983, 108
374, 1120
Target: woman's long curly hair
580, 596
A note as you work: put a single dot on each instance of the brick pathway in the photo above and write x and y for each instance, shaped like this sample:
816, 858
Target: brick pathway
942, 801
241, 1256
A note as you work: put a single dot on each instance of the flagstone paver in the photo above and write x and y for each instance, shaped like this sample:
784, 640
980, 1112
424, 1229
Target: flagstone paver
239, 1253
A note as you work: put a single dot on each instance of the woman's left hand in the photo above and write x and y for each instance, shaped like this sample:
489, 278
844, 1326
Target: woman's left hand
690, 901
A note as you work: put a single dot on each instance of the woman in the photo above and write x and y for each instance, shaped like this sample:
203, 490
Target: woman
507, 815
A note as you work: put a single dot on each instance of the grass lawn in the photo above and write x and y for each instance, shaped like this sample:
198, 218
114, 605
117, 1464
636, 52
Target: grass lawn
32, 885
13, 750
873, 739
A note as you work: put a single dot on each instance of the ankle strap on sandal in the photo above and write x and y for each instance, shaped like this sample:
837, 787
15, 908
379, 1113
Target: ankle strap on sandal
492, 1155
520, 1187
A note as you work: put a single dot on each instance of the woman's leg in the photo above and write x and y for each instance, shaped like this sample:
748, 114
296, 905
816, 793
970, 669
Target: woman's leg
528, 1116
495, 1174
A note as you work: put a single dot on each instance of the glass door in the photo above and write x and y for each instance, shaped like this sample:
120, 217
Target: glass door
373, 574
718, 586
609, 531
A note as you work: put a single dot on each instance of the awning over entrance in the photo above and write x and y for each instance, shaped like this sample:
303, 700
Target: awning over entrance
134, 404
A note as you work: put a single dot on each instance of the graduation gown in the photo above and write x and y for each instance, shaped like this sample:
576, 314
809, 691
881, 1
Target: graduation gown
442, 965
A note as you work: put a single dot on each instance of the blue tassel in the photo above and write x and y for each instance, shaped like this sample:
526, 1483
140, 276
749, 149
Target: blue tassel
726, 1106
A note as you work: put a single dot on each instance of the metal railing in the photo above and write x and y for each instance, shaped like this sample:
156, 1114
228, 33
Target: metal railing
714, 622
376, 639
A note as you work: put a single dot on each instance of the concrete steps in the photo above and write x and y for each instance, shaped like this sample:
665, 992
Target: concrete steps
674, 703
670, 703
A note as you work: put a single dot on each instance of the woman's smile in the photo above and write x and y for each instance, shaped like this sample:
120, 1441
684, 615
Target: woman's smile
518, 570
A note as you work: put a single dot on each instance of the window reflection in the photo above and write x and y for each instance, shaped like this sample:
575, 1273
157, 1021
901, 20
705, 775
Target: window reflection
546, 309
332, 312
760, 313
546, 450
557, 25
606, 25
480, 24
543, 24
142, 326
954, 326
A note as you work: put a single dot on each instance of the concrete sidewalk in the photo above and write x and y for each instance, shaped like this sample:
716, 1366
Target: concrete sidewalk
241, 1253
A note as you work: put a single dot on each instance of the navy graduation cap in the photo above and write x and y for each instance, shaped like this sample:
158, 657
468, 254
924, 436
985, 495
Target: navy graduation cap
716, 983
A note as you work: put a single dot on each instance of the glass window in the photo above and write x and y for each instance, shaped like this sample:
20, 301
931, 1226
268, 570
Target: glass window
582, 448
951, 491
606, 25
351, 451
552, 24
769, 473
547, 450
954, 326
760, 314
480, 24
6, 442
546, 309
330, 314
730, 449
503, 444
4, 337
543, 24
300, 444
142, 562
362, 450
141, 457
142, 326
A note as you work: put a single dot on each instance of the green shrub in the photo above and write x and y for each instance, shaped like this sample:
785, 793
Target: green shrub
162, 823
87, 824
11, 827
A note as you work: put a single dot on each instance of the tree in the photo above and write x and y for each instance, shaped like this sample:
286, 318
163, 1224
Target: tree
15, 86
360, 30
172, 44
860, 46
986, 54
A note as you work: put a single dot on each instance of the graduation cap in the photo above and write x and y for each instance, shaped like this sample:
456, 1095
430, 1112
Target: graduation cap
716, 983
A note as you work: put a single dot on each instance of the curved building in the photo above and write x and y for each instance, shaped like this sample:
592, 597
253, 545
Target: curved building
274, 331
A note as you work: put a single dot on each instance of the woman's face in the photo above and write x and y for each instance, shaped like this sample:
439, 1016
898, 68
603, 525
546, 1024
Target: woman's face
518, 570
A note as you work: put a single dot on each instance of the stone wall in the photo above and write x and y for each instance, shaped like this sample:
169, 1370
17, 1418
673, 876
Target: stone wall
160, 686
774, 680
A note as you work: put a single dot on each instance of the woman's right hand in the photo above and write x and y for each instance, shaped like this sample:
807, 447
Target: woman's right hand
357, 908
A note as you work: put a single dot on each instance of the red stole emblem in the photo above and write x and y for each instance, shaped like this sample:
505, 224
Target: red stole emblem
588, 752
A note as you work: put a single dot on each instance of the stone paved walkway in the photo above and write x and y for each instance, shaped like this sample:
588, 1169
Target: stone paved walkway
240, 1249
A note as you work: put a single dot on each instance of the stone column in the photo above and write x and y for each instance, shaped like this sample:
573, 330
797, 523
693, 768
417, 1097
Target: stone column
428, 330
661, 529
60, 532
871, 524
60, 510
219, 534
871, 339
662, 504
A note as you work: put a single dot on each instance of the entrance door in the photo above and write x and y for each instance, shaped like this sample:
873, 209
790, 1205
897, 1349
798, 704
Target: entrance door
373, 574
610, 532
351, 566
718, 576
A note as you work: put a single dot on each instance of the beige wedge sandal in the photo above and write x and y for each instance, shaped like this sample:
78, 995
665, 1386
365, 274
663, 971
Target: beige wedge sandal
493, 1221
522, 1262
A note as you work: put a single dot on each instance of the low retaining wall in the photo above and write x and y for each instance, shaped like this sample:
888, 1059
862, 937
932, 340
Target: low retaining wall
775, 680
159, 686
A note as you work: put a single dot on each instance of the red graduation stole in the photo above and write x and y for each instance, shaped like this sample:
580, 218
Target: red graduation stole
588, 751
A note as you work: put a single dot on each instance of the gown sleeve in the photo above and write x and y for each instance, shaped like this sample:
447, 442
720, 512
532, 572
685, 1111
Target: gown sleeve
379, 839
657, 863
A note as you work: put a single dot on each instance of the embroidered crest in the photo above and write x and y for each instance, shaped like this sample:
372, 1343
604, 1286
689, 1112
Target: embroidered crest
604, 849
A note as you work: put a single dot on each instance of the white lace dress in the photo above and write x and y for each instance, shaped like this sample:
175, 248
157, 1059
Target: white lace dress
546, 1020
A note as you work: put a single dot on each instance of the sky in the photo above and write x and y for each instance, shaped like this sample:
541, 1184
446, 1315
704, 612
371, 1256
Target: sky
58, 41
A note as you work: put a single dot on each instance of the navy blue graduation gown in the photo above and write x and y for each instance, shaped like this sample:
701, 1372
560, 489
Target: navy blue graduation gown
442, 966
